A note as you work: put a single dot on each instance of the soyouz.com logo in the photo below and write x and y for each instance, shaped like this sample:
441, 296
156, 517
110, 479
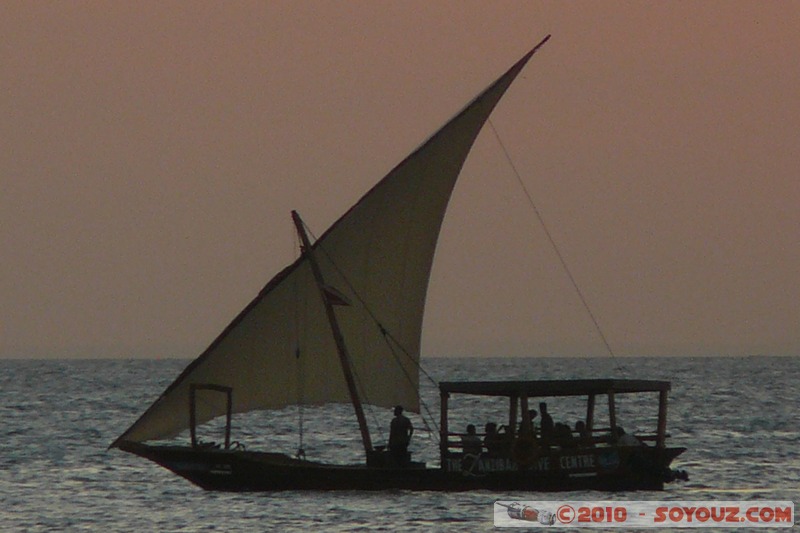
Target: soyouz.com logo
747, 514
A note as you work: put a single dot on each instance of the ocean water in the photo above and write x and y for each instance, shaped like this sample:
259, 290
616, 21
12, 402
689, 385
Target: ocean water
738, 417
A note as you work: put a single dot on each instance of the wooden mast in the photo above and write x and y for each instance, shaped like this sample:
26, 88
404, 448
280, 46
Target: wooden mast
341, 347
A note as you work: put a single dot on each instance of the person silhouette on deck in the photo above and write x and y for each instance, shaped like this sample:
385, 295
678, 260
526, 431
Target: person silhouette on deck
492, 440
584, 437
471, 442
471, 449
546, 422
625, 439
400, 431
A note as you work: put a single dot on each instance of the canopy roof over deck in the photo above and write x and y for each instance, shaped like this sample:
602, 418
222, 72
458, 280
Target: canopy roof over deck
561, 387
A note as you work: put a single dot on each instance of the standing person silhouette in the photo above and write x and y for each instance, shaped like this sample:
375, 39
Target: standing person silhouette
400, 432
546, 424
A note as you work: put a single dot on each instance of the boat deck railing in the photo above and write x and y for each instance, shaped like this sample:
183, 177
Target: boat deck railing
603, 438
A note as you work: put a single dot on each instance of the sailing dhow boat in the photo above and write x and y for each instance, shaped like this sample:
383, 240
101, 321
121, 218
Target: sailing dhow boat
347, 314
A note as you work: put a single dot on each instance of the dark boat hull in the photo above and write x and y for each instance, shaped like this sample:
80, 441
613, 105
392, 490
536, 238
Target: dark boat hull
223, 470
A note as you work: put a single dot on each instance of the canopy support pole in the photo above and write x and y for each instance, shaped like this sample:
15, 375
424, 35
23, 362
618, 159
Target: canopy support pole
228, 391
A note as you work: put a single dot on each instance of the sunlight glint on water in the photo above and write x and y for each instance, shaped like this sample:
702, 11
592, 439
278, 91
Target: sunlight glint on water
60, 416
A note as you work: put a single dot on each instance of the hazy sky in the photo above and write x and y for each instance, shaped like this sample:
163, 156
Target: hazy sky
150, 153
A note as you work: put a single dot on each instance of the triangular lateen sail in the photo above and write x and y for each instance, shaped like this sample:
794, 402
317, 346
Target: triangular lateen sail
378, 255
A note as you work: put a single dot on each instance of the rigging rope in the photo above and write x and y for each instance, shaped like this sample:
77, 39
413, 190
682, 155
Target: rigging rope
389, 339
555, 247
